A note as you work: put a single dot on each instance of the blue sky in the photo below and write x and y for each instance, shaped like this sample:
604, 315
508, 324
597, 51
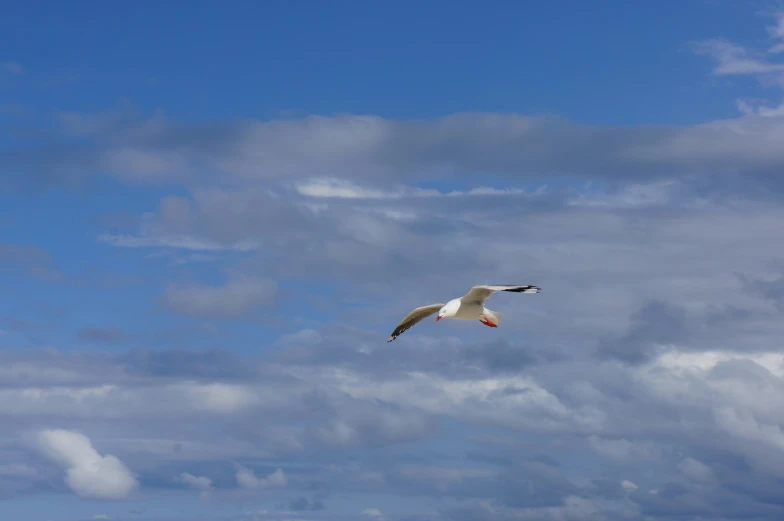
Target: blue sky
613, 63
212, 216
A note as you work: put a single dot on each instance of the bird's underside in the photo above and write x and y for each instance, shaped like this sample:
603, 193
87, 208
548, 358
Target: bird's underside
475, 298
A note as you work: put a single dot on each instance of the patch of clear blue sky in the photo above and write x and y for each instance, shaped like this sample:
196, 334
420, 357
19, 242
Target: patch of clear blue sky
612, 62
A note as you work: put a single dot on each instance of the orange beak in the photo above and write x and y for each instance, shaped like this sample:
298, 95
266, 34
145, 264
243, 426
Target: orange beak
438, 318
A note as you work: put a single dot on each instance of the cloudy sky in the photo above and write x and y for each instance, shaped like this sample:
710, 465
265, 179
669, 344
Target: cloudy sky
213, 214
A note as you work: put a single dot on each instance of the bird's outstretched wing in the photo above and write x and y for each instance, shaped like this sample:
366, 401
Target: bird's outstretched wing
414, 317
479, 294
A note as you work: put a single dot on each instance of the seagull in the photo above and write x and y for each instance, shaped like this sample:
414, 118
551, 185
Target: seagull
470, 306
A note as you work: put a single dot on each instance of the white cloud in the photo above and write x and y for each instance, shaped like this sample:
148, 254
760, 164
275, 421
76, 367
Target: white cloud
344, 189
219, 397
776, 32
501, 400
695, 470
123, 402
197, 482
750, 107
202, 483
735, 59
247, 479
745, 425
172, 241
88, 474
374, 513
100, 516
628, 485
339, 189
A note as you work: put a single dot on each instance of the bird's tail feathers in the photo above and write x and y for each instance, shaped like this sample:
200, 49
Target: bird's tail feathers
494, 316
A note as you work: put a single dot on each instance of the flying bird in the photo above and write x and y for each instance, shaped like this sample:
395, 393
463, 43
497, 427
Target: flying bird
470, 306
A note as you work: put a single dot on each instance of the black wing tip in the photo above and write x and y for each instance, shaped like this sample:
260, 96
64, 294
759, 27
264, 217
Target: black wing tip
528, 288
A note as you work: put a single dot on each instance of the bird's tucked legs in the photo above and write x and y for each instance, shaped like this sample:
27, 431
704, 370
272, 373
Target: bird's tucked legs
487, 322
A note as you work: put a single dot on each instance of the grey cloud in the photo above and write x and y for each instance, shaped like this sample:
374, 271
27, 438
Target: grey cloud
35, 368
654, 325
533, 485
768, 289
523, 148
180, 363
101, 335
356, 410
573, 508
239, 295
302, 504
518, 484
559, 250
344, 347
33, 260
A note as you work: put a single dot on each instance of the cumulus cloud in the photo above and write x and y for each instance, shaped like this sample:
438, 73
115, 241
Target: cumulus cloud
197, 482
246, 478
88, 474
201, 483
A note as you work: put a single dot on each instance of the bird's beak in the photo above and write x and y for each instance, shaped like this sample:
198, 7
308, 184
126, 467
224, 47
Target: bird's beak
438, 318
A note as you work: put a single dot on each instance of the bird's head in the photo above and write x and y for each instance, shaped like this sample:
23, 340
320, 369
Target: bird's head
449, 309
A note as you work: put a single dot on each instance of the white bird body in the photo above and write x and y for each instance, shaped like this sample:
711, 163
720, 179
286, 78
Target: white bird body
468, 307
456, 309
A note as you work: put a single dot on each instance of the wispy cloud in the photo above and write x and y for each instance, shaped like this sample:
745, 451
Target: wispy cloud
238, 295
345, 189
515, 150
764, 65
776, 32
35, 261
13, 67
